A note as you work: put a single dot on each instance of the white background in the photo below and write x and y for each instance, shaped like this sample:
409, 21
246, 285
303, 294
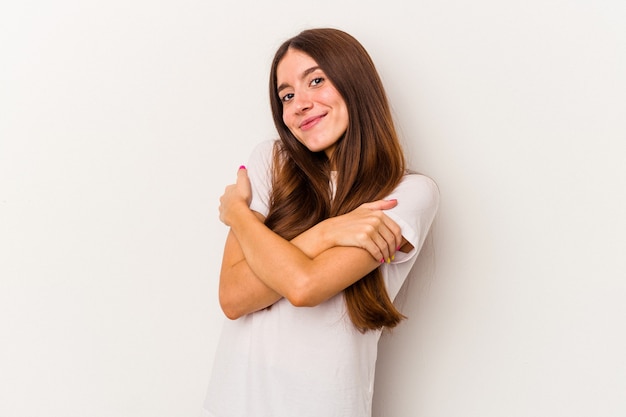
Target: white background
122, 121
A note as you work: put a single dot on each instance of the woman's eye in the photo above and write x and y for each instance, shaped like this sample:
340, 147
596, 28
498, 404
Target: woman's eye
287, 97
316, 81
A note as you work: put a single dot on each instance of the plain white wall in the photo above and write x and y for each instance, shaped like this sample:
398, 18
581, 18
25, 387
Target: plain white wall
121, 122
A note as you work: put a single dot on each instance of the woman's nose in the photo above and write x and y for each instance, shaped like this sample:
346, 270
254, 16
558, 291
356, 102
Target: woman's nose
303, 102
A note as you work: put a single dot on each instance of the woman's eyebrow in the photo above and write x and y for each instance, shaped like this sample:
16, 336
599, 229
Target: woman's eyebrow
304, 74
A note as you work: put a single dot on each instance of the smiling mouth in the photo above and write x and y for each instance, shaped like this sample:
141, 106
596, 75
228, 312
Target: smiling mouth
310, 122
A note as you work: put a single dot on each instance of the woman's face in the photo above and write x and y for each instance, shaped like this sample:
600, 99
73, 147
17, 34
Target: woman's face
313, 109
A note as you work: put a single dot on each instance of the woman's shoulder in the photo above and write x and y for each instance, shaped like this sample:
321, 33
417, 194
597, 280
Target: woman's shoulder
418, 180
265, 147
420, 188
262, 153
418, 177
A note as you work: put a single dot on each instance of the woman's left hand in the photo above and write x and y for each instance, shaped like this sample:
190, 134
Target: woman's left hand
369, 228
236, 197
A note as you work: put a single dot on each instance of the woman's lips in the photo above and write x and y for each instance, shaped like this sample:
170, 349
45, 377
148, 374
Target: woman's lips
310, 122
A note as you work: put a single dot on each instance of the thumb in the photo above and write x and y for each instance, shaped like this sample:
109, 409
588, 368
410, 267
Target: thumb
242, 172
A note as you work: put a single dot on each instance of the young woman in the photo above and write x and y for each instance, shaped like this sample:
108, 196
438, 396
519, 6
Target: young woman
325, 224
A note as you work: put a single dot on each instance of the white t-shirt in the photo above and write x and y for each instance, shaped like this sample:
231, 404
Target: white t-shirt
291, 361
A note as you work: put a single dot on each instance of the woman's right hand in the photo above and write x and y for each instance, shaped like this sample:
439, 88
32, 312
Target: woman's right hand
369, 228
235, 195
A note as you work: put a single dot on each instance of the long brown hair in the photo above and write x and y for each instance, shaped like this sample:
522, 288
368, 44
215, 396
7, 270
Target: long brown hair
368, 159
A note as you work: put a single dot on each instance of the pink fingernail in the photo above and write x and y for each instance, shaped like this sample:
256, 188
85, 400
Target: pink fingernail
242, 167
382, 261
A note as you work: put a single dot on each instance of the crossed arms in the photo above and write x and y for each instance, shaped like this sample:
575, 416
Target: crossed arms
259, 267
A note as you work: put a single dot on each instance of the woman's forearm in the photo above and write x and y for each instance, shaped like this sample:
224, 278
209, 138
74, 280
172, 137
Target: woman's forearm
241, 291
278, 263
288, 271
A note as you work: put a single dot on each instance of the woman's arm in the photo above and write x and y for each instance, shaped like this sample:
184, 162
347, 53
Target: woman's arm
281, 265
240, 290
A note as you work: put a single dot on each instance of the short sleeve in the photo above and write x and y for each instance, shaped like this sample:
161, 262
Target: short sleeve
260, 174
418, 201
